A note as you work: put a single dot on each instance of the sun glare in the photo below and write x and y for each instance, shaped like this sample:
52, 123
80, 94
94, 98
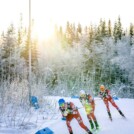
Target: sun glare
43, 31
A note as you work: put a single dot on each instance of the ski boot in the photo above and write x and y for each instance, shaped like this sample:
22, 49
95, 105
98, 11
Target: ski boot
96, 124
91, 124
89, 132
71, 132
110, 117
121, 114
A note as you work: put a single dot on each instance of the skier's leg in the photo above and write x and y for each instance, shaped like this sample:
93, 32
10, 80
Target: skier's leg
95, 120
121, 113
68, 120
114, 104
90, 121
108, 109
80, 121
96, 124
109, 114
107, 105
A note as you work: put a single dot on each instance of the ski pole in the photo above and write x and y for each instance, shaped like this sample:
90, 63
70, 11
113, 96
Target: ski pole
79, 107
97, 99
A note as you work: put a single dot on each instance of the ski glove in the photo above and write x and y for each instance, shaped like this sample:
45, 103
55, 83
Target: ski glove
65, 113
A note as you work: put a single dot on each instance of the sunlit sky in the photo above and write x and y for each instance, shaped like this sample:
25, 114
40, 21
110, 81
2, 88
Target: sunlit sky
49, 12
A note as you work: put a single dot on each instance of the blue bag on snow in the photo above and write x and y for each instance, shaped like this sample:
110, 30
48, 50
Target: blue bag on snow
45, 131
34, 102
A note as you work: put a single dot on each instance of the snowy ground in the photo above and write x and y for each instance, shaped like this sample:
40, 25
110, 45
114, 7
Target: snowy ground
39, 119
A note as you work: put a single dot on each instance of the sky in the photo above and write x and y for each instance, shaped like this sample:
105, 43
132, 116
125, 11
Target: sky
49, 116
51, 12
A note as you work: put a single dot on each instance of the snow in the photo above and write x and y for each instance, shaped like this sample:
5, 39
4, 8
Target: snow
40, 119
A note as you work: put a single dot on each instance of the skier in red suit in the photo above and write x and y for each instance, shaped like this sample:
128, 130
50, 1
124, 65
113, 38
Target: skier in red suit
106, 97
70, 111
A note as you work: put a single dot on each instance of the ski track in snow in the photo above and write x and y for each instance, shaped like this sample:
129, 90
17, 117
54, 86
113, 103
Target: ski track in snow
119, 125
54, 122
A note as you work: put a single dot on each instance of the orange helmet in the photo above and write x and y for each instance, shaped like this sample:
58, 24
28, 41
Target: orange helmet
102, 88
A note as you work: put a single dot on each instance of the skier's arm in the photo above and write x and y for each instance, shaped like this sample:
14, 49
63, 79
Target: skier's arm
74, 109
82, 101
63, 112
108, 92
91, 100
100, 95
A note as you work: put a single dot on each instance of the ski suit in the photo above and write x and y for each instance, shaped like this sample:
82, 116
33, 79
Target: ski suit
89, 105
70, 111
106, 97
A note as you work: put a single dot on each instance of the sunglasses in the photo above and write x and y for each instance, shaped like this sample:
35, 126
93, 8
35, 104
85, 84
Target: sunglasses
61, 104
82, 95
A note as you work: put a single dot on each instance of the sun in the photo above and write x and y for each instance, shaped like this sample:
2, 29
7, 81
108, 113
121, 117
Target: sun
43, 30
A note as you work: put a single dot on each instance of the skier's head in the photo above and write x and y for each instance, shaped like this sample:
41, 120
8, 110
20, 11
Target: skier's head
61, 102
102, 88
82, 93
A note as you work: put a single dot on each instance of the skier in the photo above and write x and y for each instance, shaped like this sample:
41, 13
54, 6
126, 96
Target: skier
70, 111
89, 105
106, 97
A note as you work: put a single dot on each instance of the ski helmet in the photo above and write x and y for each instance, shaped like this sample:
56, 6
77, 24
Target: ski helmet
102, 87
82, 93
61, 101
